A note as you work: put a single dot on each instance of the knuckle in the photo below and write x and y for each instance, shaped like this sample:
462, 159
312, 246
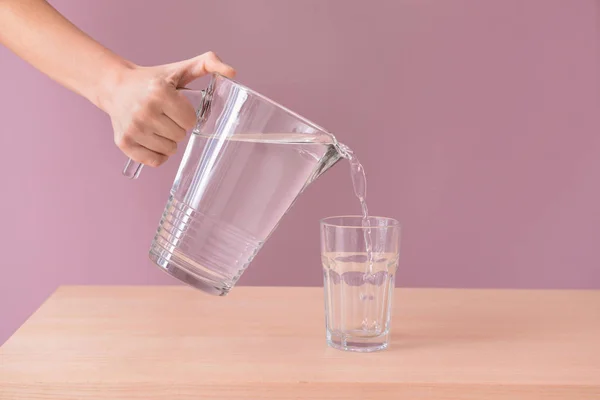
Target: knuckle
135, 131
211, 55
188, 118
156, 85
151, 106
156, 160
172, 148
155, 99
179, 135
121, 142
189, 124
140, 120
157, 90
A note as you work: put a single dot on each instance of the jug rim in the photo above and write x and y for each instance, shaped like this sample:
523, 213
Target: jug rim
328, 221
273, 102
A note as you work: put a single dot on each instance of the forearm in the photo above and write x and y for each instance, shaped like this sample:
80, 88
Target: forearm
40, 35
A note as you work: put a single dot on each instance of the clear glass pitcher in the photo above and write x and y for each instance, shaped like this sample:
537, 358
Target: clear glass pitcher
246, 162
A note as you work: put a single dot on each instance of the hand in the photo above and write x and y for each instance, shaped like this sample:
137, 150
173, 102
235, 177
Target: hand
149, 116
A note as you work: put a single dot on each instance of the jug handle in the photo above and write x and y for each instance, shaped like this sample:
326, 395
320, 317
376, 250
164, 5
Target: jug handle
133, 168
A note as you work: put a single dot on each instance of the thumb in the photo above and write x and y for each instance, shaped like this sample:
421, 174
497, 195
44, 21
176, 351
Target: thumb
186, 71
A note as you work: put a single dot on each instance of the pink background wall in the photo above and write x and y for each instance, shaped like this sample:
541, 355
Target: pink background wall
477, 123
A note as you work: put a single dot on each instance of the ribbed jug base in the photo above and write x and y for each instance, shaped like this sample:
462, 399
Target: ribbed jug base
178, 272
203, 251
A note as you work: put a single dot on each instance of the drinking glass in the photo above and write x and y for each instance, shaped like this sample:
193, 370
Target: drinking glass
359, 287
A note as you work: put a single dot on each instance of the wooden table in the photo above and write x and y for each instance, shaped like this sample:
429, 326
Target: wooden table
269, 343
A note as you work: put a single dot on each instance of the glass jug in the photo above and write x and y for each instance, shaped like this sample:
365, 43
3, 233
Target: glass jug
246, 162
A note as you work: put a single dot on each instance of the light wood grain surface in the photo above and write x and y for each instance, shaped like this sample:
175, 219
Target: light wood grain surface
269, 343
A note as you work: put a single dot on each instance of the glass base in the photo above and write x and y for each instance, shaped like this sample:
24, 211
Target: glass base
358, 344
193, 280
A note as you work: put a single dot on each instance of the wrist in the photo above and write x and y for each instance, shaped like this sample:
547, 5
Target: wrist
113, 76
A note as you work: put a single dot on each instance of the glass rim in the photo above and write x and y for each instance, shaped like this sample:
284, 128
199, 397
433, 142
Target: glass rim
391, 222
273, 102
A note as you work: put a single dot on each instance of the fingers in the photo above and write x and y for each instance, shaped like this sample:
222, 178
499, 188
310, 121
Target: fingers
178, 109
175, 105
151, 116
143, 155
150, 136
209, 63
164, 126
186, 71
149, 148
157, 144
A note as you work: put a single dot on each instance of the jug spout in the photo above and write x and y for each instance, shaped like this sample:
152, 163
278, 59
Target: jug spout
331, 157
